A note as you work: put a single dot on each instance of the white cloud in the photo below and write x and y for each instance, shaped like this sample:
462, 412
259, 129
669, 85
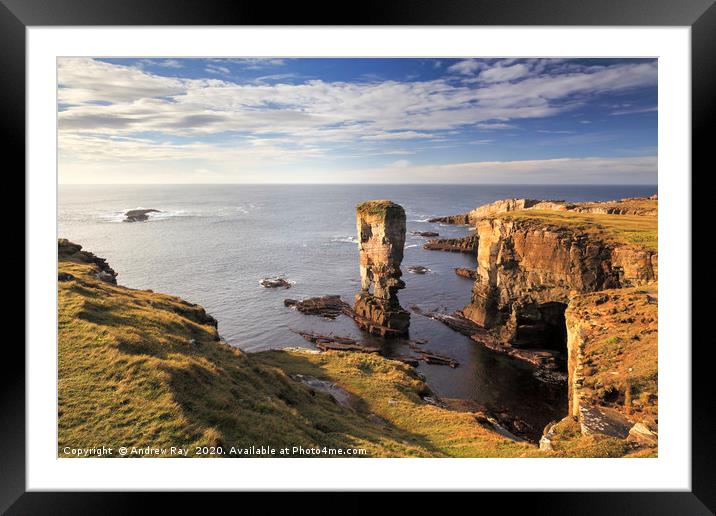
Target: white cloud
496, 125
107, 108
164, 63
619, 170
217, 69
504, 73
634, 111
141, 101
466, 67
401, 163
84, 80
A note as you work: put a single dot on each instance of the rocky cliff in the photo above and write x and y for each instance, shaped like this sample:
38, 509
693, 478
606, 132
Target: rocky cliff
629, 206
70, 251
381, 240
529, 267
579, 280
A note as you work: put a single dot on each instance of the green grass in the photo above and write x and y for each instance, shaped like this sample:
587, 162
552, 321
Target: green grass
637, 230
380, 207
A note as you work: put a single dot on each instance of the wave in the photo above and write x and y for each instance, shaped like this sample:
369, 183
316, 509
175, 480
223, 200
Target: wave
345, 239
164, 214
411, 245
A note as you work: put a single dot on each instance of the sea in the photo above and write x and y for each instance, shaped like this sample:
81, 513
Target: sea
212, 244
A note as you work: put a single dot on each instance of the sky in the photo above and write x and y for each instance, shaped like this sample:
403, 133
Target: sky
348, 120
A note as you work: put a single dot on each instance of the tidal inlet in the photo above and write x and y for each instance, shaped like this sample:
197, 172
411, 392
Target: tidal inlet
357, 258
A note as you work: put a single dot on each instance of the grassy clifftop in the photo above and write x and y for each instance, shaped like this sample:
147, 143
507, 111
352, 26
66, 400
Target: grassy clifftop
636, 230
138, 368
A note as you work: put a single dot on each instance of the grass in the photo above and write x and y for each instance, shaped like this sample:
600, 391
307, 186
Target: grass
379, 207
637, 230
390, 390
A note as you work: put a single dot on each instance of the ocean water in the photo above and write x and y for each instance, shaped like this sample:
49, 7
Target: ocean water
211, 244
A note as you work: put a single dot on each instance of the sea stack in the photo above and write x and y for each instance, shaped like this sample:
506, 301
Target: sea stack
381, 239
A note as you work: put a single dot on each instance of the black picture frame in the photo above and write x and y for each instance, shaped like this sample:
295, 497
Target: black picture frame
700, 15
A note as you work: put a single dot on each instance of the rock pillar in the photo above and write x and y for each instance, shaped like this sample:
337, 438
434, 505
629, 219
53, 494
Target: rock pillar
381, 237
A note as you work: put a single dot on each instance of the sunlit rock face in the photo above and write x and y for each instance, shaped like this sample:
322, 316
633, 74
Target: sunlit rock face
381, 237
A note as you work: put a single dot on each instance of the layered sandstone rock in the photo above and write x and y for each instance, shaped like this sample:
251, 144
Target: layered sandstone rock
501, 206
466, 244
381, 237
527, 271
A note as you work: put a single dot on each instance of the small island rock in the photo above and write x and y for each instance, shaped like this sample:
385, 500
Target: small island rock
138, 215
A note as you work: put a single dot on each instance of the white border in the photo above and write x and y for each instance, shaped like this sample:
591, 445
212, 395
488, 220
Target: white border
670, 471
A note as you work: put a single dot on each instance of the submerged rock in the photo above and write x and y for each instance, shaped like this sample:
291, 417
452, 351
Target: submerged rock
324, 306
337, 343
138, 215
418, 269
426, 233
274, 283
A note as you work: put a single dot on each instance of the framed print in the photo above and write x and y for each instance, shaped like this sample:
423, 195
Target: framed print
448, 249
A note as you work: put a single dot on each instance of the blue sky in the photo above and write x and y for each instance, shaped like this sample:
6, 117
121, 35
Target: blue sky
277, 120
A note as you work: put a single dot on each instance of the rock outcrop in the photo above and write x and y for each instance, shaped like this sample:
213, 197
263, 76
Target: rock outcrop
466, 244
466, 273
381, 237
138, 215
70, 251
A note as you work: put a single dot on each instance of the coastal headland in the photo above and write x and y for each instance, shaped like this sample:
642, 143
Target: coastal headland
571, 288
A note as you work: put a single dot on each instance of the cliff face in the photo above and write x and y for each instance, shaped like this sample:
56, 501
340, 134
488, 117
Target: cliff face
527, 270
501, 206
580, 280
381, 237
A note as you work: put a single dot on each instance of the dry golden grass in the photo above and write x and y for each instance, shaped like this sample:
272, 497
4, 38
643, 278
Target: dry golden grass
620, 331
638, 230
